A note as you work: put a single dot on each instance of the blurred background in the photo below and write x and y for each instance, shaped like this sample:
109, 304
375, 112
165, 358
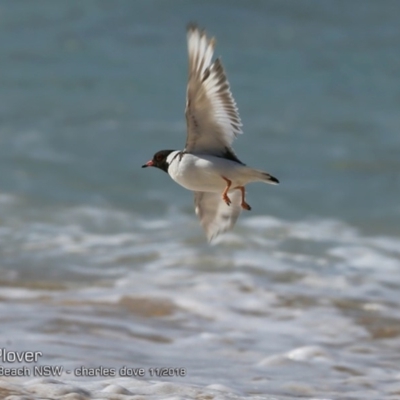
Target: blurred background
302, 298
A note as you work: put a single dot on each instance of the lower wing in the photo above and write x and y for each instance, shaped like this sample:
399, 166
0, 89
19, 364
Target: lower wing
215, 215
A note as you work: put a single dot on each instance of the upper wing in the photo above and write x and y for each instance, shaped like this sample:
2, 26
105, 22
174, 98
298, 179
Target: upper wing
211, 114
215, 215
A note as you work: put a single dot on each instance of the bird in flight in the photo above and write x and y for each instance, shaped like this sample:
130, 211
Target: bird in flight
208, 165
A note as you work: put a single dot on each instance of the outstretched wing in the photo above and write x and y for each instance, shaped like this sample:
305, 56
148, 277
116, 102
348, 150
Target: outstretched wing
215, 216
211, 114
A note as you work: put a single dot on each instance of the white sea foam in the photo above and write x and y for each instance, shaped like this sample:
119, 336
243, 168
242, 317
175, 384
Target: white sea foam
273, 299
112, 389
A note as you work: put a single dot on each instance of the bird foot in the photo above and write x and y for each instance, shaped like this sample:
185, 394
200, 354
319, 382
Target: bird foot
226, 199
245, 206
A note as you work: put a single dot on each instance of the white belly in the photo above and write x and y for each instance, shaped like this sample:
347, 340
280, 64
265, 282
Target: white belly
203, 173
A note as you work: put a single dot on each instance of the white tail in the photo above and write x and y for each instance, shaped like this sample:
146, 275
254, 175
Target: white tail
265, 177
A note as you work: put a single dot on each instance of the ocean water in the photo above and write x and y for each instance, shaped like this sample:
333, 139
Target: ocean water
104, 264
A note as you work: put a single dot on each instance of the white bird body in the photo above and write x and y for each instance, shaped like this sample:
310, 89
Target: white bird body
204, 172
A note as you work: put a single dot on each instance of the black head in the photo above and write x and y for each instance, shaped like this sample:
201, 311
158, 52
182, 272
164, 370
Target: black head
159, 160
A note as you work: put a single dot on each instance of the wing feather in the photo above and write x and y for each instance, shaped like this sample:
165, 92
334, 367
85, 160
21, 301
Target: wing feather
211, 113
215, 216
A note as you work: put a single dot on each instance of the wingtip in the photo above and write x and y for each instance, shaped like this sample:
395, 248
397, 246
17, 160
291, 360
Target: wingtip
211, 238
191, 26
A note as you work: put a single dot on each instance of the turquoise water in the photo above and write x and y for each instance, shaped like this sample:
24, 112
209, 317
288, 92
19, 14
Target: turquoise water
302, 297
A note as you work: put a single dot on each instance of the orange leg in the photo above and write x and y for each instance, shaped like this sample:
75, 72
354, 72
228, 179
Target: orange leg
244, 205
225, 197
